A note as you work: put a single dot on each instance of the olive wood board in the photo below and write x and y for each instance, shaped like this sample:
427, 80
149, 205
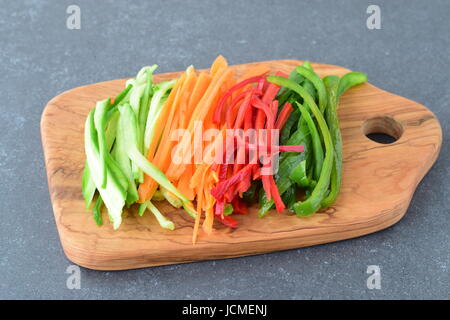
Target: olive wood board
379, 181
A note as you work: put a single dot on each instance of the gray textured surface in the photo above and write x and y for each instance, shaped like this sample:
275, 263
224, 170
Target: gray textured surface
40, 58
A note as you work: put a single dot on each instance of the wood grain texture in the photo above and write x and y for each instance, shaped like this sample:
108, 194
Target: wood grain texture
378, 183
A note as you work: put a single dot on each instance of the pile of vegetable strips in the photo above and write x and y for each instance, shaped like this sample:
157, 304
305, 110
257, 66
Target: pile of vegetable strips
272, 139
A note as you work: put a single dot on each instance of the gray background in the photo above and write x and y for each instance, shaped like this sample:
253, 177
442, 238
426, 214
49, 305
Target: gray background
41, 58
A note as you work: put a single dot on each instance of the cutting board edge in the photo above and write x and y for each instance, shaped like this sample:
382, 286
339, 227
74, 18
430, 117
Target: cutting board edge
124, 264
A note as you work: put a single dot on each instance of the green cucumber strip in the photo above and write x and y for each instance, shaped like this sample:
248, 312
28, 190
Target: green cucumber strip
144, 108
129, 123
87, 186
163, 221
97, 210
175, 202
125, 165
154, 111
142, 208
141, 75
122, 95
113, 195
135, 102
158, 196
100, 125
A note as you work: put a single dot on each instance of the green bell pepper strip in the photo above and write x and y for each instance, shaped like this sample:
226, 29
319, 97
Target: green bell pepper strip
350, 80
311, 76
315, 139
265, 205
249, 195
288, 95
335, 88
312, 204
287, 129
332, 85
307, 84
129, 122
283, 181
299, 176
288, 161
284, 94
289, 197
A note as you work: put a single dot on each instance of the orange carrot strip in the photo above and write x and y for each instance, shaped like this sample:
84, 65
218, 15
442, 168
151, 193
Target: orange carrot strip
199, 207
200, 113
199, 90
184, 181
186, 92
209, 208
219, 63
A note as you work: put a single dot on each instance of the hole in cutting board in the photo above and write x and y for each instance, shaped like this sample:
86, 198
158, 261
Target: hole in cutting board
383, 129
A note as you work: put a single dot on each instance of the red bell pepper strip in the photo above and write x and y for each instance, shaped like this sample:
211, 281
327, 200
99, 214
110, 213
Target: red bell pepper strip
274, 107
220, 189
284, 115
228, 221
276, 196
234, 104
219, 207
261, 84
244, 108
218, 111
257, 103
239, 206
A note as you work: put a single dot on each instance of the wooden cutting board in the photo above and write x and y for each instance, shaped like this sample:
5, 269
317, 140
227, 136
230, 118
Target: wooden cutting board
378, 183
